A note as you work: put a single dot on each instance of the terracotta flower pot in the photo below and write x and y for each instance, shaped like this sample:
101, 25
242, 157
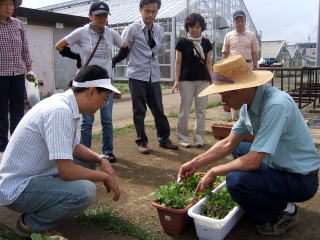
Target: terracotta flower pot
173, 221
221, 131
226, 108
117, 95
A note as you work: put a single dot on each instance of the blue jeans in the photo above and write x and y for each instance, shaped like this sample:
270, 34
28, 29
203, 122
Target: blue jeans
265, 192
107, 128
47, 202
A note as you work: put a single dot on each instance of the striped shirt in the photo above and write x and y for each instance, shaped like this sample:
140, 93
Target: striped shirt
143, 61
14, 51
243, 44
46, 133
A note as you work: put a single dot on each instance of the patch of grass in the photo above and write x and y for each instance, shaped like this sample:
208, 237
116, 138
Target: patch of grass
172, 115
116, 131
229, 119
166, 85
122, 87
6, 233
214, 104
126, 129
110, 222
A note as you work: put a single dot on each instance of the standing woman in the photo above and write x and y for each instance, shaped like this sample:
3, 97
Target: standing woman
15, 61
192, 75
88, 39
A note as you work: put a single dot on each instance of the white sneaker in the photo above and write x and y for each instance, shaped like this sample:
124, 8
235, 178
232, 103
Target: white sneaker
185, 145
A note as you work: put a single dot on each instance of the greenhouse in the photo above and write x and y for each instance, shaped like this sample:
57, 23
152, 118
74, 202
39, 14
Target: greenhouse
218, 15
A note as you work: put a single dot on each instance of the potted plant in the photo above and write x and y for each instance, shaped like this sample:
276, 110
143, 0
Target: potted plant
222, 130
215, 215
226, 108
173, 201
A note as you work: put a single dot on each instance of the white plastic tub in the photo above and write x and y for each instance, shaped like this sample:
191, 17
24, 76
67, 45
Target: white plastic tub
214, 229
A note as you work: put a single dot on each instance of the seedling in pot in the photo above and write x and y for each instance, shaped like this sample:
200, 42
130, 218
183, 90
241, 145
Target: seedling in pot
218, 204
178, 195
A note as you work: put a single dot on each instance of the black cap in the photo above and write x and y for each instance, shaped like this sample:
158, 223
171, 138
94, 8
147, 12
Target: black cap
239, 13
99, 7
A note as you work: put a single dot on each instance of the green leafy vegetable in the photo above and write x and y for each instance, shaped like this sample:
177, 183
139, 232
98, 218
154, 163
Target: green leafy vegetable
178, 195
218, 204
37, 236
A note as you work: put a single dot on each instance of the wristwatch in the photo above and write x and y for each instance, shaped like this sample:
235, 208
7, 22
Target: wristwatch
102, 156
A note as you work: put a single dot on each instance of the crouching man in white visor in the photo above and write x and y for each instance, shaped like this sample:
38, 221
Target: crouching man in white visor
45, 173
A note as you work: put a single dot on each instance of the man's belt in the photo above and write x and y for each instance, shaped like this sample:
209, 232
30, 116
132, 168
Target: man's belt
248, 61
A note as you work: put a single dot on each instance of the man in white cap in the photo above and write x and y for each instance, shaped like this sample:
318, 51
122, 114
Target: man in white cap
280, 167
45, 173
242, 42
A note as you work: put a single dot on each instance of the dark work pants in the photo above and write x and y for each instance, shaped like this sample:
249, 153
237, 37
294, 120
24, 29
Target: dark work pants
143, 94
265, 192
12, 91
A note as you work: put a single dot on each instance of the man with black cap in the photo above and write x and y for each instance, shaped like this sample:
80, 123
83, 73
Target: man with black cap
241, 42
95, 42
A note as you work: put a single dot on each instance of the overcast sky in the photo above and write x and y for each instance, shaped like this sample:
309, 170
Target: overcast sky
290, 20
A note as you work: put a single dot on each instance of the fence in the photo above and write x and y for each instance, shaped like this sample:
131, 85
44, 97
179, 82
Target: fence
302, 83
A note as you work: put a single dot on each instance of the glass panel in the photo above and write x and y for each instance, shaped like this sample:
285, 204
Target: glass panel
167, 42
165, 58
120, 71
165, 71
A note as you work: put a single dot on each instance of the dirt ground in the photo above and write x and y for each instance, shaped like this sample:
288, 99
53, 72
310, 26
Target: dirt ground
139, 175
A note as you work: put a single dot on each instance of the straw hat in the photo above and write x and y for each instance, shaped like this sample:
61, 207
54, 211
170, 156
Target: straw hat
234, 73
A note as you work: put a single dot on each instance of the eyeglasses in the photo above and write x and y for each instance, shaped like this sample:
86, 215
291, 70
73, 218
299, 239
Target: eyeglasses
153, 12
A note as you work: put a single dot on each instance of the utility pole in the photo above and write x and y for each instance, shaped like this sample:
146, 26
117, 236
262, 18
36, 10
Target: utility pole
188, 7
318, 39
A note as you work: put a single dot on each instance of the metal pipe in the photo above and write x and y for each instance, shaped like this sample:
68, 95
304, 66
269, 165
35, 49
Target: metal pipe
318, 39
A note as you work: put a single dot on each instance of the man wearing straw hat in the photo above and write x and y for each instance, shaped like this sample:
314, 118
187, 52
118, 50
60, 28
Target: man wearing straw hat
280, 167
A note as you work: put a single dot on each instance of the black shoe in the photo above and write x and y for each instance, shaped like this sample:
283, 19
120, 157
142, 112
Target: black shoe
169, 145
281, 224
111, 157
3, 147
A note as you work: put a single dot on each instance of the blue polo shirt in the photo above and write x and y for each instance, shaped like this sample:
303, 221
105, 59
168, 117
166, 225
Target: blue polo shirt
280, 131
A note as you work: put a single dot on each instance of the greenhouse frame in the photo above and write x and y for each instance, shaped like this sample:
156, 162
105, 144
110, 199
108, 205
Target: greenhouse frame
217, 13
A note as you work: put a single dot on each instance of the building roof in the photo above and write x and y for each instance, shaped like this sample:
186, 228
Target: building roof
52, 17
271, 49
292, 49
118, 9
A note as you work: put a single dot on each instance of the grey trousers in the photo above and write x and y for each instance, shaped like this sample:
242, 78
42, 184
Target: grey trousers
189, 91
